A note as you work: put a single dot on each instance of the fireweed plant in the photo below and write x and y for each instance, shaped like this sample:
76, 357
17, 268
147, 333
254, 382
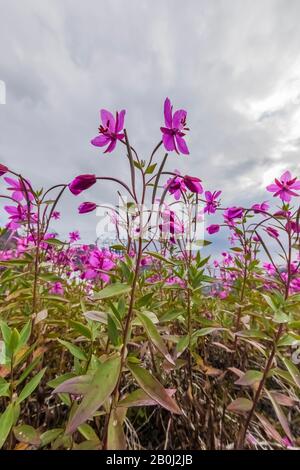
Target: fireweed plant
145, 343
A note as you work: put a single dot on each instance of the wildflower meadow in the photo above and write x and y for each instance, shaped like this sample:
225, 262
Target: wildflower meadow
154, 340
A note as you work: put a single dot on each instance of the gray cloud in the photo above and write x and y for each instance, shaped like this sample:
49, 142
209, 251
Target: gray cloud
233, 65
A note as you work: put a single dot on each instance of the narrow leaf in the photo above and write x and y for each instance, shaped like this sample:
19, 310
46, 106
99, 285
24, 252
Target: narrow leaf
153, 388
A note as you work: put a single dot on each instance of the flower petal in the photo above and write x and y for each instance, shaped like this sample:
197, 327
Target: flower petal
169, 143
17, 195
182, 145
120, 123
179, 118
272, 188
286, 176
168, 113
100, 140
107, 119
296, 185
111, 146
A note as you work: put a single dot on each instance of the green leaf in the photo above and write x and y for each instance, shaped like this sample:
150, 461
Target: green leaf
240, 405
250, 378
292, 369
280, 415
6, 332
169, 316
160, 257
102, 386
182, 345
56, 298
154, 336
153, 388
118, 247
78, 385
88, 432
150, 169
206, 331
140, 398
281, 317
93, 315
31, 386
74, 350
14, 341
55, 241
115, 434
50, 436
270, 302
112, 330
82, 329
112, 290
6, 423
24, 334
26, 433
4, 388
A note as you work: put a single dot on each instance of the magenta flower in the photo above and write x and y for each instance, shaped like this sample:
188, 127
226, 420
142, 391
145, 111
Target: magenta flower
110, 130
18, 214
99, 261
176, 186
20, 189
233, 213
171, 224
173, 132
81, 182
55, 215
74, 236
86, 207
272, 232
282, 213
258, 208
214, 228
3, 169
284, 188
269, 268
193, 184
292, 226
211, 201
57, 288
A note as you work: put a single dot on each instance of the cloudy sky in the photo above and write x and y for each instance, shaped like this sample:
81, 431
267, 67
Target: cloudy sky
233, 65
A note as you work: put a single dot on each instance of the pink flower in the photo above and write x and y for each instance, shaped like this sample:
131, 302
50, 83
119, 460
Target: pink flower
282, 213
193, 184
176, 186
292, 226
233, 213
173, 132
56, 215
57, 288
270, 269
3, 169
272, 232
110, 130
214, 228
86, 207
74, 236
146, 261
211, 201
284, 188
20, 189
286, 442
82, 182
258, 208
17, 215
170, 224
99, 260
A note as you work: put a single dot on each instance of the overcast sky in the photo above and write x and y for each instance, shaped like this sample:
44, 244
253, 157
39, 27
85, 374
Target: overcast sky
234, 65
